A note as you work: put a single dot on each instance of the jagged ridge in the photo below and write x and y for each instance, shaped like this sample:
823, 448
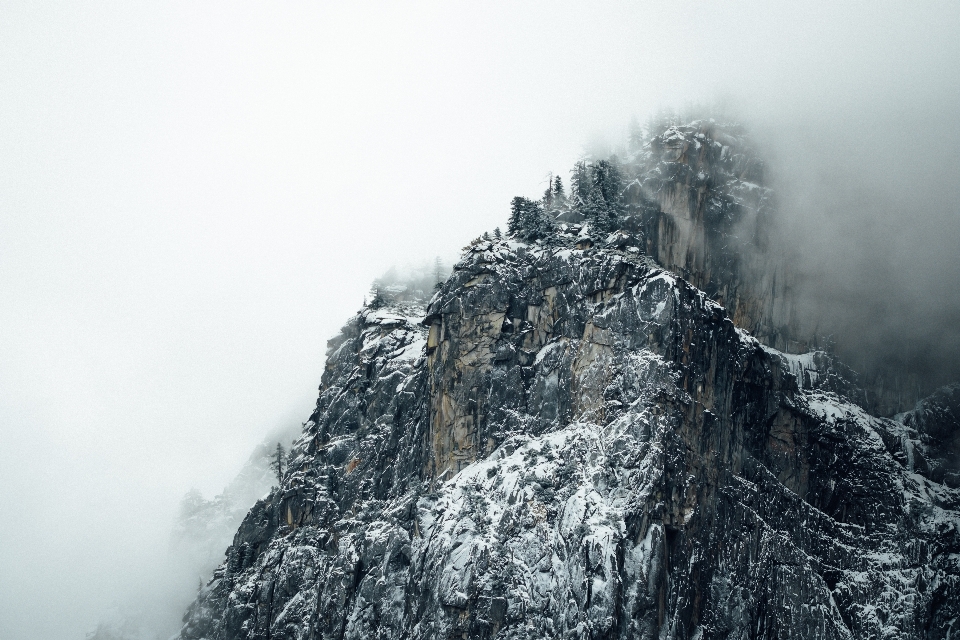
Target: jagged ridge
592, 434
580, 444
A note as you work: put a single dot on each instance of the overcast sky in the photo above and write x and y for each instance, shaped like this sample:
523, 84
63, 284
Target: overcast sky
195, 196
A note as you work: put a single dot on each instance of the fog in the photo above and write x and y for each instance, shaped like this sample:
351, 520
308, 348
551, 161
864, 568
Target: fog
875, 220
194, 197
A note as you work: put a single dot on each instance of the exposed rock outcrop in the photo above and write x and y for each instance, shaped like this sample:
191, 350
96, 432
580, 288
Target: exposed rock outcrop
712, 225
581, 438
570, 443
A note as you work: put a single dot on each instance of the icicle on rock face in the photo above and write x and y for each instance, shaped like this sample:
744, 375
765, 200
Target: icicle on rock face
575, 443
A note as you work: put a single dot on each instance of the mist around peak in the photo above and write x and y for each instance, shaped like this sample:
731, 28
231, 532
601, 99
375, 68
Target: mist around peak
194, 197
852, 237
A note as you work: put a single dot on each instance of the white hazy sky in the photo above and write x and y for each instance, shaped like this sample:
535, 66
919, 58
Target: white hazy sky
194, 196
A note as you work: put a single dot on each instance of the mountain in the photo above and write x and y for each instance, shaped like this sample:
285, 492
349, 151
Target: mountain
202, 530
595, 429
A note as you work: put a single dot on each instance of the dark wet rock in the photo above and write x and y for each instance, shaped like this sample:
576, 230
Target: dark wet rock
931, 442
569, 443
589, 438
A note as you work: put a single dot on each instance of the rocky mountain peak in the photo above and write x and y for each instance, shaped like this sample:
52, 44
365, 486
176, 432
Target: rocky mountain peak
589, 431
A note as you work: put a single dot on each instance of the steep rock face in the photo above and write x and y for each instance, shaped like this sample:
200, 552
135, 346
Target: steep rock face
707, 215
932, 441
576, 443
204, 527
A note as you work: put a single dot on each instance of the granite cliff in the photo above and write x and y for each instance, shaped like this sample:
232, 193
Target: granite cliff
594, 429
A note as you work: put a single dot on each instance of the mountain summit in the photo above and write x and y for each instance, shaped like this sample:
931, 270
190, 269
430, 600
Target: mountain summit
596, 429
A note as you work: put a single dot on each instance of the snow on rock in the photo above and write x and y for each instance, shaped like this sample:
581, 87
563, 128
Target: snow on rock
570, 441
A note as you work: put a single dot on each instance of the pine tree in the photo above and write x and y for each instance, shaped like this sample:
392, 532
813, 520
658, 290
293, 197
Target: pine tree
608, 180
663, 120
554, 198
558, 193
596, 193
548, 195
437, 273
527, 220
277, 462
377, 299
581, 185
518, 210
594, 209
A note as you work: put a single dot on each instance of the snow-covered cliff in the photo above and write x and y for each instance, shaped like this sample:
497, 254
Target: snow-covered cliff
583, 437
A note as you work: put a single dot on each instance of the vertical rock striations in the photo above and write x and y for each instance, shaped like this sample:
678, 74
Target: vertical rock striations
572, 441
712, 224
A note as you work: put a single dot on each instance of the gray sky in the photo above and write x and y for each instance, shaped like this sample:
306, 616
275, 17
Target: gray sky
195, 196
